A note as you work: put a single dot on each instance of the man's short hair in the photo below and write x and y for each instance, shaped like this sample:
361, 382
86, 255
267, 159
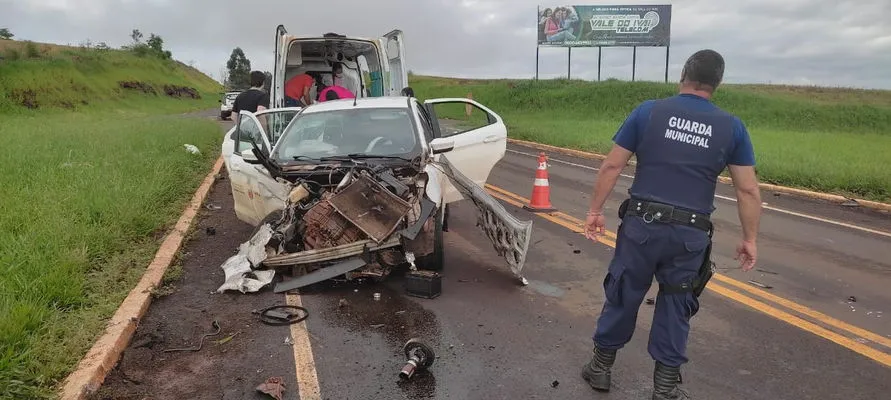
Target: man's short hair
705, 69
331, 95
257, 78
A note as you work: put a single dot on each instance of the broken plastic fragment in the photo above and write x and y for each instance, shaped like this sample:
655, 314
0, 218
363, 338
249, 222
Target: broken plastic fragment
238, 268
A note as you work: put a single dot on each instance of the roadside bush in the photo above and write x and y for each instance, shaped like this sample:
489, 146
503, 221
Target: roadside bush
31, 50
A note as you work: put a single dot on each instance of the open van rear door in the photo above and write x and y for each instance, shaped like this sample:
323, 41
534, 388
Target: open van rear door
278, 72
395, 49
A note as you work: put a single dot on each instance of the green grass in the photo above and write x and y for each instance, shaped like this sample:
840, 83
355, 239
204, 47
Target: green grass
71, 78
833, 140
87, 196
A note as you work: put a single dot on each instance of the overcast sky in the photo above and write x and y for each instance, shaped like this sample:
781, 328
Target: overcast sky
822, 42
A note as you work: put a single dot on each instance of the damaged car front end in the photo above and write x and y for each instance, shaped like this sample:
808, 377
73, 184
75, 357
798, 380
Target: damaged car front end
361, 216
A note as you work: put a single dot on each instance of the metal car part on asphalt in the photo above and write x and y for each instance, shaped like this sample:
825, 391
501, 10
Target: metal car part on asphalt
420, 357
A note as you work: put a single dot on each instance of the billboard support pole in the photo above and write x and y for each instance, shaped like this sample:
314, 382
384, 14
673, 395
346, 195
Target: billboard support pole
536, 61
667, 48
569, 64
599, 54
633, 63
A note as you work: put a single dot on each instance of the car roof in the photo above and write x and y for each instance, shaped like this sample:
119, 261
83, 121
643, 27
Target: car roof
364, 102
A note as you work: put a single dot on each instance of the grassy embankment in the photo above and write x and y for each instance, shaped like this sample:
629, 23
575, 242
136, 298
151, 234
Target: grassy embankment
833, 140
92, 176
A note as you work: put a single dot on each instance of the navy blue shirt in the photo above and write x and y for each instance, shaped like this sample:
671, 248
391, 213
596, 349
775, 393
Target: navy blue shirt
682, 144
629, 134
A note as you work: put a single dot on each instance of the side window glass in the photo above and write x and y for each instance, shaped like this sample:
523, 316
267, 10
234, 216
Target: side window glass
248, 132
459, 117
427, 126
274, 124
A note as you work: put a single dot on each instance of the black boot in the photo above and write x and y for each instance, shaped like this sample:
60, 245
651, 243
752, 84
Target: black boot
665, 383
597, 371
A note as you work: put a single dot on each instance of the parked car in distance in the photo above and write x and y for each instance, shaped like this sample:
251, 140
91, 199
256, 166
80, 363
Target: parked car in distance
226, 104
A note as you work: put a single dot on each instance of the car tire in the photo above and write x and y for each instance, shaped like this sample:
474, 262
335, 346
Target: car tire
435, 261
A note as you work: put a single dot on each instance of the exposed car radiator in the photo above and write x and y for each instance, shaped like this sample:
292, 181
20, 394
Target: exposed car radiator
325, 227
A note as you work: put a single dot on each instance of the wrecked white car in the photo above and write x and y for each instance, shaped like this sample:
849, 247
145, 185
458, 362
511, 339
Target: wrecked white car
356, 187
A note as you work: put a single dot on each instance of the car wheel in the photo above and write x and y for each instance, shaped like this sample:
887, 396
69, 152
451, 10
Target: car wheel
435, 261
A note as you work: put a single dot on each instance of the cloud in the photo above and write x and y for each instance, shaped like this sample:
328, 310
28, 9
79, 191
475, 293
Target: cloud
824, 42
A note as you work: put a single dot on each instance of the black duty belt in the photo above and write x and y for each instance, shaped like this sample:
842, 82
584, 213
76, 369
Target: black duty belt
652, 211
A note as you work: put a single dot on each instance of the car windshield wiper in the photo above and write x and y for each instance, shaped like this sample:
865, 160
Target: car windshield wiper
361, 156
303, 158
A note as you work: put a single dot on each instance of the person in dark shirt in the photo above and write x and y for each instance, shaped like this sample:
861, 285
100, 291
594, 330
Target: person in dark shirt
254, 99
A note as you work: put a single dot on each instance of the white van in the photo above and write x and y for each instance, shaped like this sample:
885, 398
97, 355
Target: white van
372, 67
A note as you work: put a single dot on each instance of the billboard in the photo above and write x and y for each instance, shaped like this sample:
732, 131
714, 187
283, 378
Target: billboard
593, 26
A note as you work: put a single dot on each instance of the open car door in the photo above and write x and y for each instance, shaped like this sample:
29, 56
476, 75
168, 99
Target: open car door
277, 98
254, 191
395, 49
477, 134
471, 139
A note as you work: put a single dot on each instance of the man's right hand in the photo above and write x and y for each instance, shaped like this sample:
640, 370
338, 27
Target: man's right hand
747, 254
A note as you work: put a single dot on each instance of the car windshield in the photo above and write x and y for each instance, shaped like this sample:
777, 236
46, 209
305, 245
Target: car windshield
367, 131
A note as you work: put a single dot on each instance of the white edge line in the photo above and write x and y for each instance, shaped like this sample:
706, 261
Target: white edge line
307, 379
780, 210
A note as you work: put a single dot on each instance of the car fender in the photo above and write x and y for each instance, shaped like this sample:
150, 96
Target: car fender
434, 184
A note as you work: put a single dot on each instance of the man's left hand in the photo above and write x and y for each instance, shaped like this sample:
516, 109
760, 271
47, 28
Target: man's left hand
595, 225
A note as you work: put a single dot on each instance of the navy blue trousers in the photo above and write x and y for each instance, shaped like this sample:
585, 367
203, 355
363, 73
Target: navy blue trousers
673, 254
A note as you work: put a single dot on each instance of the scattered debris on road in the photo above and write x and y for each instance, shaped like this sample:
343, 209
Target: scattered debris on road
274, 387
212, 207
759, 284
210, 231
420, 357
239, 274
216, 326
555, 384
766, 271
852, 299
272, 315
651, 301
423, 284
226, 339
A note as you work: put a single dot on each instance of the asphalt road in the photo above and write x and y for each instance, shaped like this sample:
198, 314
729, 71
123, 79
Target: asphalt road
496, 339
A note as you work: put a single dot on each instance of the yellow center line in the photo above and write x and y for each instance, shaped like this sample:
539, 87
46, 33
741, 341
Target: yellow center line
566, 224
307, 379
572, 223
566, 217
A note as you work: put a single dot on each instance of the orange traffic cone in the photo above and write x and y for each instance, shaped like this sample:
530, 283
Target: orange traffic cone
541, 190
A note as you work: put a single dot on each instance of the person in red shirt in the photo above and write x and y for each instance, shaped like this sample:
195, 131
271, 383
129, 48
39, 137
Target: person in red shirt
297, 91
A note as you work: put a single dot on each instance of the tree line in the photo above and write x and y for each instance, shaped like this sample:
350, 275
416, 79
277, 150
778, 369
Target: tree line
237, 74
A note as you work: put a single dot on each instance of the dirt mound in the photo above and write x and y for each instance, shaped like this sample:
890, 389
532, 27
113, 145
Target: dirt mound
181, 91
137, 85
25, 97
174, 91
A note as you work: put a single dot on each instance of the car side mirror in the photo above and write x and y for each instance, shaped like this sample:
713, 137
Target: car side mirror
442, 146
249, 156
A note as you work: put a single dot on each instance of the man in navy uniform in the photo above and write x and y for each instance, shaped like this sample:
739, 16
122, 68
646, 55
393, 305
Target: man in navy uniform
682, 143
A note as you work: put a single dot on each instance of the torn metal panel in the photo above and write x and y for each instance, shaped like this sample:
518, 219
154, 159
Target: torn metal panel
320, 275
239, 268
328, 254
371, 207
508, 235
427, 207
